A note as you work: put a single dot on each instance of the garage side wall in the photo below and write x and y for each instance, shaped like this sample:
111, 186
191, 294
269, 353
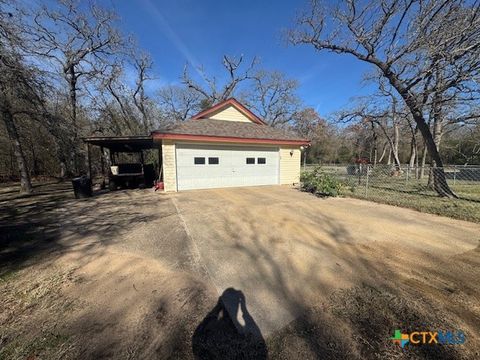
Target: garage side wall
169, 166
290, 165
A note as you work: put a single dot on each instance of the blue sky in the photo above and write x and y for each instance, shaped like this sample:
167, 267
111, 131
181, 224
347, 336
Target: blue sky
200, 32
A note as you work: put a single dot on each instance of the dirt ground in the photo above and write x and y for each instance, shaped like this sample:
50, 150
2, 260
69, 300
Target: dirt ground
261, 272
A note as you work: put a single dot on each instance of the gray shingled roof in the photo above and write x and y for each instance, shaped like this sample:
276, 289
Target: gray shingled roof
209, 127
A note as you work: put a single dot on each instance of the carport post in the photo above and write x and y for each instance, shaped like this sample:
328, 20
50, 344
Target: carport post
89, 161
102, 154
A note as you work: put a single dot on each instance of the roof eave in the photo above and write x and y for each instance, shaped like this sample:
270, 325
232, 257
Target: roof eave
228, 139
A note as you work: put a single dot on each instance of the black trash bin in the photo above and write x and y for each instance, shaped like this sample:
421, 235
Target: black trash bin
82, 187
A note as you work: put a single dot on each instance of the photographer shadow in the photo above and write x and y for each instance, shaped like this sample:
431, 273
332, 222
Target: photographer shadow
229, 331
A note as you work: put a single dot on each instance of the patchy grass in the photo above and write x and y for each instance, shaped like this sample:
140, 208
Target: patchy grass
429, 203
411, 193
29, 297
7, 275
50, 345
358, 322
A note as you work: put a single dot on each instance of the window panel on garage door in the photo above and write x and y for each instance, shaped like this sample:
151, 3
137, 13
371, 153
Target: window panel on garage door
231, 170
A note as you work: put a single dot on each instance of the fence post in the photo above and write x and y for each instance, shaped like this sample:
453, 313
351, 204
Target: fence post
366, 183
454, 174
408, 173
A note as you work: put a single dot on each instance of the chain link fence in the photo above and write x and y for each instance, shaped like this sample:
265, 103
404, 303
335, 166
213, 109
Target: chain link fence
412, 186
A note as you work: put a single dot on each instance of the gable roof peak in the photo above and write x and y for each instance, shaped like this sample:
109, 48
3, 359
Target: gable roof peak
225, 104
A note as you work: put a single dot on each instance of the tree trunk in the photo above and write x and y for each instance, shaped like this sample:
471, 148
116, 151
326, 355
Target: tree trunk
413, 161
61, 143
416, 163
63, 169
35, 170
413, 153
430, 182
393, 145
413, 148
440, 181
383, 153
396, 136
13, 165
126, 117
437, 135
141, 108
437, 131
25, 183
395, 142
424, 160
375, 146
72, 81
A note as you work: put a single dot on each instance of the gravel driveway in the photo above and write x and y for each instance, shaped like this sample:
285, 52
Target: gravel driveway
138, 274
286, 250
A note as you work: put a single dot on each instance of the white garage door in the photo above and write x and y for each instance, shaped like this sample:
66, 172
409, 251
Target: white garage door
211, 166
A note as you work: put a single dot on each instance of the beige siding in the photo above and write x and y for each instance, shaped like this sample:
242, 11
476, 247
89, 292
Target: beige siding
229, 114
169, 165
290, 165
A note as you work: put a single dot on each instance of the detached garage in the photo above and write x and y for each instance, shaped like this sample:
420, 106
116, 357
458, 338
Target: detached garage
227, 146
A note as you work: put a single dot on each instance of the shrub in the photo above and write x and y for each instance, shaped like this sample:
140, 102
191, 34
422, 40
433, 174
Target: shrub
319, 183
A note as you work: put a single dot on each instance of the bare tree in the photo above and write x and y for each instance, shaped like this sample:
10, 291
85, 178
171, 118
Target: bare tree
178, 103
307, 123
213, 92
19, 90
269, 93
273, 97
113, 90
323, 136
81, 54
79, 42
379, 112
463, 145
128, 107
142, 64
14, 92
405, 40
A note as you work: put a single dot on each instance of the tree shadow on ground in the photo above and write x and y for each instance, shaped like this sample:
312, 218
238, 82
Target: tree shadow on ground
355, 323
221, 335
52, 220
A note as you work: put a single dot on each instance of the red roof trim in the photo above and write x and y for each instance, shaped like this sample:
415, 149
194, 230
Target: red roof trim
232, 102
208, 138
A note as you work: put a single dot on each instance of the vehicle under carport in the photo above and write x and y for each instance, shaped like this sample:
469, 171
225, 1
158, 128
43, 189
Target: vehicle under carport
127, 165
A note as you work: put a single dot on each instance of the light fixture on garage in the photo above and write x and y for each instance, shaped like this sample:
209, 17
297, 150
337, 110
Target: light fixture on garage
291, 152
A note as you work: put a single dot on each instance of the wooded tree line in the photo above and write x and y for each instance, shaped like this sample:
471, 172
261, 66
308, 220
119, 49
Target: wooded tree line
67, 71
424, 56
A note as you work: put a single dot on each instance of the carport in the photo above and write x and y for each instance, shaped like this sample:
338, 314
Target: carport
119, 171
